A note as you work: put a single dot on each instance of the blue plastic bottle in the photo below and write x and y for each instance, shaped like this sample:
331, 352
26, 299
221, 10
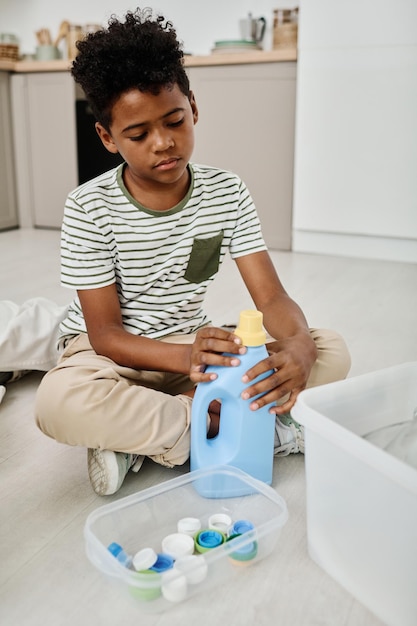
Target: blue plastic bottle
246, 438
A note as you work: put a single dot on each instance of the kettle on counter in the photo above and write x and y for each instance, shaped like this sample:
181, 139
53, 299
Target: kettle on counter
252, 28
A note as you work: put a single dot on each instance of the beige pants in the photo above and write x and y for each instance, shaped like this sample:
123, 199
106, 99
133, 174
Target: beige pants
88, 400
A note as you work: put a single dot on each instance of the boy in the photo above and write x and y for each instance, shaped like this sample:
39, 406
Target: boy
140, 244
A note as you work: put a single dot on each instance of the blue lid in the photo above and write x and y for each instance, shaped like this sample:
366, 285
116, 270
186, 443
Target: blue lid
245, 553
162, 563
241, 526
115, 548
210, 539
117, 551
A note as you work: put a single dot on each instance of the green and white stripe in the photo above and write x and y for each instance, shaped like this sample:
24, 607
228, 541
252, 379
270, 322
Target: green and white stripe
107, 237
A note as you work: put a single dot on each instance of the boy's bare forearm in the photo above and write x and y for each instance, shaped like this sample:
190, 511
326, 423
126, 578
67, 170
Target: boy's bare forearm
143, 353
284, 318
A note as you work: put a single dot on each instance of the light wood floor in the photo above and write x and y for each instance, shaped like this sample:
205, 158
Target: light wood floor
45, 495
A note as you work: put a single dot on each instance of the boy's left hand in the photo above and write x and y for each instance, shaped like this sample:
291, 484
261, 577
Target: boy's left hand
209, 347
291, 360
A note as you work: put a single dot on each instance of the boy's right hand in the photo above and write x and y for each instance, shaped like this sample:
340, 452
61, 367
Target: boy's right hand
209, 347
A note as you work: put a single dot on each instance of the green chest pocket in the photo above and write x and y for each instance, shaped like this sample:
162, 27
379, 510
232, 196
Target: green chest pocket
204, 259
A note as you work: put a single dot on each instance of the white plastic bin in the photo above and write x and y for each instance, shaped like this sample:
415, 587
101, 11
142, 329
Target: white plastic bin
144, 521
362, 501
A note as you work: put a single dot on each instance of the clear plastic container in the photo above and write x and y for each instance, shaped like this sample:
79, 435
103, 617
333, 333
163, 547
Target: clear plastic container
361, 500
144, 519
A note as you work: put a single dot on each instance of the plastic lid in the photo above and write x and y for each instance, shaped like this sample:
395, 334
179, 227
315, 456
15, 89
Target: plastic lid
241, 526
143, 590
174, 586
220, 521
117, 551
243, 553
194, 568
178, 544
163, 562
144, 559
115, 548
208, 539
189, 526
250, 328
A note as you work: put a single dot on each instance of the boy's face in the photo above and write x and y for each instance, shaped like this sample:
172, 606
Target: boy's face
155, 136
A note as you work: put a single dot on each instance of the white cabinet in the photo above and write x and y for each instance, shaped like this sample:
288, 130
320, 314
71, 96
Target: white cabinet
247, 124
8, 210
356, 152
45, 145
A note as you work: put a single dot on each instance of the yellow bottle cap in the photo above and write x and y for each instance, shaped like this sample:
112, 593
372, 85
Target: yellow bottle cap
250, 328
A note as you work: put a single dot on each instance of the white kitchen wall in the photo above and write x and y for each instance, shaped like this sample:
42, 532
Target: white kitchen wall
198, 22
355, 190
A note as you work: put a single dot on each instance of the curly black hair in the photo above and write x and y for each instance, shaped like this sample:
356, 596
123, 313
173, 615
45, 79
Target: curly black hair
142, 53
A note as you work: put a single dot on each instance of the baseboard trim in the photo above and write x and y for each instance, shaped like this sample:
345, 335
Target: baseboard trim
357, 246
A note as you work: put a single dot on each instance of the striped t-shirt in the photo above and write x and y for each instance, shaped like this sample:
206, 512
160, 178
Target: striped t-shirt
161, 261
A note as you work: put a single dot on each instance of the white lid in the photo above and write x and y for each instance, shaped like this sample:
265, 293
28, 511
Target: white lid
178, 544
174, 586
144, 559
193, 566
220, 521
189, 526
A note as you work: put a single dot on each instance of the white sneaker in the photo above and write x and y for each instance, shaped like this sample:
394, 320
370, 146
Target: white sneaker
107, 469
289, 436
2, 392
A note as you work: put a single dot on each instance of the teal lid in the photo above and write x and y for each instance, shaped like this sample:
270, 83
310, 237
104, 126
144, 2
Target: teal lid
208, 539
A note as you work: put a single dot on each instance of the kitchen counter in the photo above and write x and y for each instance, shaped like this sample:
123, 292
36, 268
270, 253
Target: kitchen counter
51, 117
232, 58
